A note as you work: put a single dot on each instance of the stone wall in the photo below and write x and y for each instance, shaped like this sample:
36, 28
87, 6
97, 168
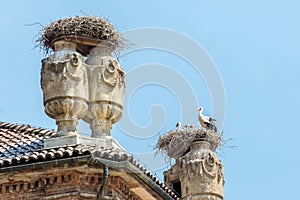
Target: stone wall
70, 182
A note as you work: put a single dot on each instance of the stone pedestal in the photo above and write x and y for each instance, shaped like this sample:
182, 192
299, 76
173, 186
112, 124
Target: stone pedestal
105, 141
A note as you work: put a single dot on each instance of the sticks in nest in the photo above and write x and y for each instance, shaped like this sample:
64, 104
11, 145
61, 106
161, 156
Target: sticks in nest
172, 142
90, 27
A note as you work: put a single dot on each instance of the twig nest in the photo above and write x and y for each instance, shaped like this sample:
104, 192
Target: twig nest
176, 143
86, 31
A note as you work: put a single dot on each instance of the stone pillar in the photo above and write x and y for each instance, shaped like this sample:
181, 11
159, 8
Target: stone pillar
201, 173
106, 90
198, 173
65, 87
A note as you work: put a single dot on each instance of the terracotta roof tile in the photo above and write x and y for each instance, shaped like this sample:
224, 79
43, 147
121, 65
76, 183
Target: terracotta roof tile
21, 144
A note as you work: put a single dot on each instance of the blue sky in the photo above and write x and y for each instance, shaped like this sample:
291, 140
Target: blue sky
254, 44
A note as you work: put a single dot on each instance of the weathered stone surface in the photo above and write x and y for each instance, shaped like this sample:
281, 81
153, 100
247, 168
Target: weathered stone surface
75, 89
72, 181
199, 172
106, 90
203, 197
105, 141
65, 87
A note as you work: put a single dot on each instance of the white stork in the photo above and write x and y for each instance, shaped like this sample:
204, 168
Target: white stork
205, 121
178, 125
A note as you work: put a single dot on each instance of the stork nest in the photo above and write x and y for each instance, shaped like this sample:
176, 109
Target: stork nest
88, 27
177, 142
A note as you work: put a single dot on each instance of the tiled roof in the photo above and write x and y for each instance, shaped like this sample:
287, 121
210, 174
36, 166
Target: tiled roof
23, 144
19, 140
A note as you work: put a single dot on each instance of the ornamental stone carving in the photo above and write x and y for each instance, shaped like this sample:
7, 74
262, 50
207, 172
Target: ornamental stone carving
74, 88
106, 90
65, 86
203, 173
81, 79
198, 172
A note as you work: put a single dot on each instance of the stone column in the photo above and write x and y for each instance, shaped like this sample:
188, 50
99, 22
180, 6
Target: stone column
65, 87
197, 173
201, 173
106, 90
